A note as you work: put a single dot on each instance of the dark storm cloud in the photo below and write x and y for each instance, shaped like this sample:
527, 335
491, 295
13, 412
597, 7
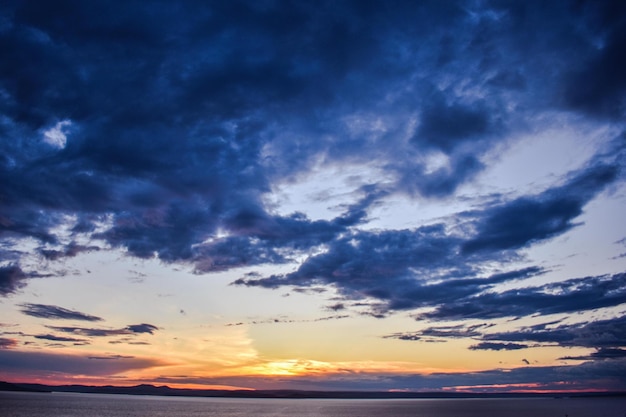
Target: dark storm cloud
179, 117
607, 336
598, 86
367, 262
91, 332
55, 312
602, 353
444, 126
532, 218
262, 238
69, 251
443, 181
405, 269
394, 266
431, 266
600, 334
577, 294
11, 279
122, 162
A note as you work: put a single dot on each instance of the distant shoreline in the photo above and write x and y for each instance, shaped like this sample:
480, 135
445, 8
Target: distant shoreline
186, 392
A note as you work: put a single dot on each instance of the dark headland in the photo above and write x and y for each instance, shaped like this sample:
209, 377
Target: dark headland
7, 386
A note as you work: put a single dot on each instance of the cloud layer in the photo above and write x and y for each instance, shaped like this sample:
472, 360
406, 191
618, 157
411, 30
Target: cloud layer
56, 312
167, 147
167, 131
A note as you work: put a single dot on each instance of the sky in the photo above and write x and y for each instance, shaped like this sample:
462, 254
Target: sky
327, 195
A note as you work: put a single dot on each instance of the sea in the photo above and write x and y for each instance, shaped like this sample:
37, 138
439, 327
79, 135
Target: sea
28, 404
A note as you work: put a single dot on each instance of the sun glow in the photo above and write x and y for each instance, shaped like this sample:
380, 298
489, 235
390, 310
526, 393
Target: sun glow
307, 367
293, 367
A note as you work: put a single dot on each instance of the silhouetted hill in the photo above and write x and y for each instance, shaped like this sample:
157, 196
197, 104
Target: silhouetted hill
7, 386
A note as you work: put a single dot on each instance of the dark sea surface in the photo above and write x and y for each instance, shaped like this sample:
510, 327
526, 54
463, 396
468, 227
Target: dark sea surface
22, 404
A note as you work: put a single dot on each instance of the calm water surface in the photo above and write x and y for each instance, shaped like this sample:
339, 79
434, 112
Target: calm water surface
105, 405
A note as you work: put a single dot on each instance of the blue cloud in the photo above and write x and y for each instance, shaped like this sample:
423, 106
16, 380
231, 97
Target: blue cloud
606, 336
132, 329
445, 126
397, 266
532, 218
498, 346
55, 312
54, 338
600, 334
578, 294
597, 87
11, 279
180, 133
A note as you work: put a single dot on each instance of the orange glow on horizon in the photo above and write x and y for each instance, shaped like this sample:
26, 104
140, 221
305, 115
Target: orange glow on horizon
522, 388
313, 368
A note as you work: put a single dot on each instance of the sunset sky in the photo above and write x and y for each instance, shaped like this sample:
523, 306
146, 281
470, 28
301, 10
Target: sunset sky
319, 195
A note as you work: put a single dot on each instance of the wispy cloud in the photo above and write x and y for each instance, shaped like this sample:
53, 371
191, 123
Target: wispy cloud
57, 338
54, 312
284, 319
498, 346
132, 329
